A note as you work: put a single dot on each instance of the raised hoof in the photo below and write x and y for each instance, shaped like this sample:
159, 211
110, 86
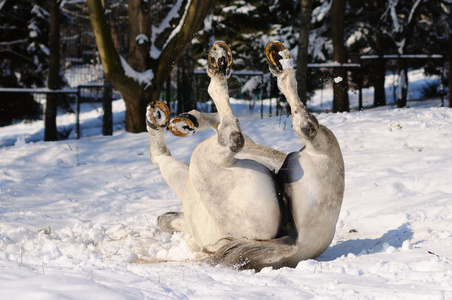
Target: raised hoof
278, 57
220, 59
183, 125
157, 115
167, 220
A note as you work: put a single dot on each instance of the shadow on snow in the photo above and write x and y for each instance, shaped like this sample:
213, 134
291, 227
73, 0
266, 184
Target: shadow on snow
392, 238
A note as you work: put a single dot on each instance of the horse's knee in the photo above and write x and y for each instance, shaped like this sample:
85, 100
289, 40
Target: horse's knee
304, 123
236, 141
230, 135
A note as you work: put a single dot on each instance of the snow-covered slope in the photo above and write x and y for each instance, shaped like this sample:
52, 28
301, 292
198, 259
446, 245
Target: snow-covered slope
76, 214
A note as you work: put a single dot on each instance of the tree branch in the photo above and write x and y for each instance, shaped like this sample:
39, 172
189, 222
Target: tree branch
180, 41
108, 54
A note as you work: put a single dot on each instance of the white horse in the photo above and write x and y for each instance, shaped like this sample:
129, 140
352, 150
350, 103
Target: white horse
249, 205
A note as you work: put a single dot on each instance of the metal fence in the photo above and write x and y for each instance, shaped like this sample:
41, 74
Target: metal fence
83, 93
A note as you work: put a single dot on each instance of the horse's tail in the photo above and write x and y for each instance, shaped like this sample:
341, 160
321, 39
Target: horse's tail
257, 254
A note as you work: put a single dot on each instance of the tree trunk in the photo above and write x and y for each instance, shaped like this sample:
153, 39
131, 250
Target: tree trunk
139, 60
139, 35
50, 131
135, 114
303, 44
340, 84
185, 91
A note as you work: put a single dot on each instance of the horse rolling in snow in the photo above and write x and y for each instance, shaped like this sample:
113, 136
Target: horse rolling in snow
249, 205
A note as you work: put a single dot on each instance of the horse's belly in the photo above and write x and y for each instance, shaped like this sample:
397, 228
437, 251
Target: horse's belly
238, 202
248, 205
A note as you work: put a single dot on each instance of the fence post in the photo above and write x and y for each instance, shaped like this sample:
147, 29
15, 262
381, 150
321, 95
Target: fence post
450, 69
360, 86
77, 114
441, 91
107, 121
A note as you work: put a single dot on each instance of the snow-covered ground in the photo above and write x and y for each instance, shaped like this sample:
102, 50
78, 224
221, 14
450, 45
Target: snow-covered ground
75, 215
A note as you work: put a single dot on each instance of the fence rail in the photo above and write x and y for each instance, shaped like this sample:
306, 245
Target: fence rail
77, 92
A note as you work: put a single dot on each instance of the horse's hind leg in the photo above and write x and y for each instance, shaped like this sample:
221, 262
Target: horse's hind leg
304, 124
313, 178
174, 172
171, 221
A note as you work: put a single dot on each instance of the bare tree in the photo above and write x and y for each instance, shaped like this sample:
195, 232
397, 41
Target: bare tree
303, 43
152, 55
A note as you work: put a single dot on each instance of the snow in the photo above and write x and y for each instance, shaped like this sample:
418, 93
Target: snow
33, 30
76, 214
356, 36
165, 24
217, 52
44, 49
317, 44
337, 79
240, 7
322, 99
286, 61
251, 84
40, 12
393, 13
141, 39
320, 12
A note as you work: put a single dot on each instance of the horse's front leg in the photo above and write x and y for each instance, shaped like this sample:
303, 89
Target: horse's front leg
174, 172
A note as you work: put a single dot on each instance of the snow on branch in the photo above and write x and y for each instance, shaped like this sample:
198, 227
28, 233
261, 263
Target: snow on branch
321, 12
413, 10
71, 2
391, 10
9, 43
143, 78
40, 12
395, 20
166, 24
